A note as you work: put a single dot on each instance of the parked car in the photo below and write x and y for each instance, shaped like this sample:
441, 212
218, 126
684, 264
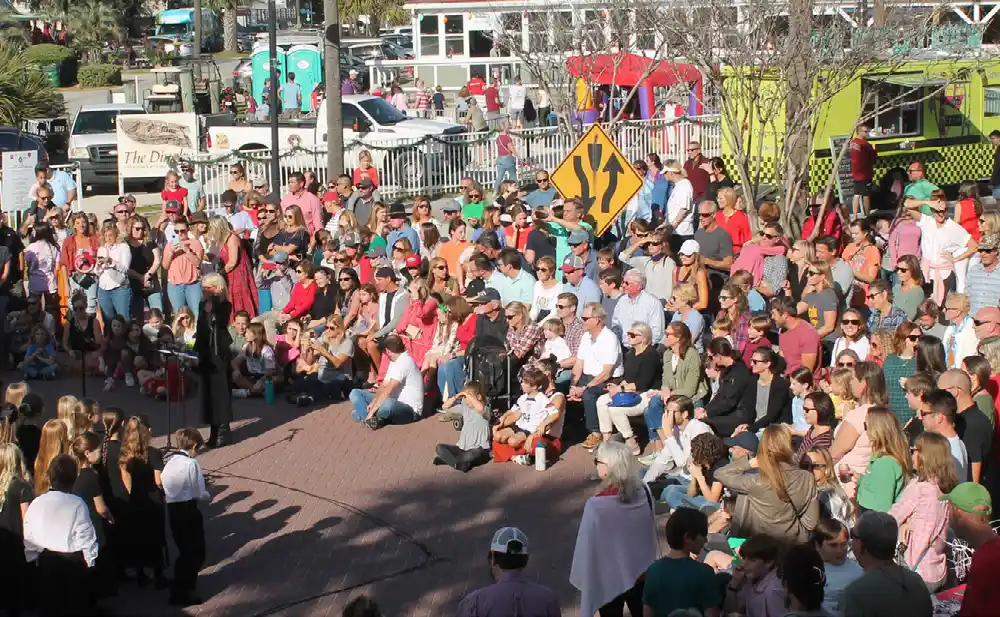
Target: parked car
14, 140
93, 141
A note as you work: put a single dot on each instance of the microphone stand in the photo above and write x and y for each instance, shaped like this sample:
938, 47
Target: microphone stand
177, 357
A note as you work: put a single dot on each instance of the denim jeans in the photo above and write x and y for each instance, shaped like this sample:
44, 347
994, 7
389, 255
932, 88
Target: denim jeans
654, 417
451, 376
676, 496
39, 371
563, 379
114, 302
590, 395
90, 293
390, 411
188, 295
506, 170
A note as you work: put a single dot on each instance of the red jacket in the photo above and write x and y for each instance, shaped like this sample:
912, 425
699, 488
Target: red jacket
466, 332
301, 300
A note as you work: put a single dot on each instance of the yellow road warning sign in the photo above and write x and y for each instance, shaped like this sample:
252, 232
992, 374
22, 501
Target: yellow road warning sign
599, 175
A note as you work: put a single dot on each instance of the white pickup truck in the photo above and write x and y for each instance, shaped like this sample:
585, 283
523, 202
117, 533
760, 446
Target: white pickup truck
371, 121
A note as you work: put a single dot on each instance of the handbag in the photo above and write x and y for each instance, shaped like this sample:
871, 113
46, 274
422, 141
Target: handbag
625, 399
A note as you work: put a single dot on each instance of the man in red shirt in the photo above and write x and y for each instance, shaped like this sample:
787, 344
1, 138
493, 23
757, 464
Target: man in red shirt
862, 170
970, 519
798, 341
476, 85
695, 174
493, 104
829, 226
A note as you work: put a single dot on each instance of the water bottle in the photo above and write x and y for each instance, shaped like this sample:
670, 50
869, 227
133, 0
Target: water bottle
269, 391
540, 455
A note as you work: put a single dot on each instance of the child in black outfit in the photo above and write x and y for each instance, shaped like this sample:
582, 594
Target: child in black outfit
184, 486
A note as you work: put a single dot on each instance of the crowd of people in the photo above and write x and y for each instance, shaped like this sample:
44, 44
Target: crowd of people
777, 396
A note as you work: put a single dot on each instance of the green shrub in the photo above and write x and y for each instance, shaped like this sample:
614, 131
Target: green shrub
48, 53
98, 75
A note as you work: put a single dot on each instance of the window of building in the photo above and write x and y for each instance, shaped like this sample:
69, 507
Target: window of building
902, 116
562, 29
991, 104
429, 29
538, 31
454, 35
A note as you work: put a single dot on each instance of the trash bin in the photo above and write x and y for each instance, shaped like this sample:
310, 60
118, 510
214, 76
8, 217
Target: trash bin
52, 73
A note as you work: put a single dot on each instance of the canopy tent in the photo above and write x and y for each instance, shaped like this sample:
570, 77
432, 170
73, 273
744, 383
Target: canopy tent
623, 69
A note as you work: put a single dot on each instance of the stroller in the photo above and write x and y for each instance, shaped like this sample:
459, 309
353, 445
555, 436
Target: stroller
490, 364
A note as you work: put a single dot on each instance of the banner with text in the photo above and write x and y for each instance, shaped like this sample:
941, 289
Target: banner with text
145, 141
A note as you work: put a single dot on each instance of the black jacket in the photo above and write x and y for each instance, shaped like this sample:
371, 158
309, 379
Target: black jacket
644, 370
779, 403
728, 409
995, 175
212, 344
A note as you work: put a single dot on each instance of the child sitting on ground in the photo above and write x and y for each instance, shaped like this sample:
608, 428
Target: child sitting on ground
555, 345
40, 356
153, 324
255, 364
162, 376
473, 447
238, 330
115, 356
528, 415
19, 332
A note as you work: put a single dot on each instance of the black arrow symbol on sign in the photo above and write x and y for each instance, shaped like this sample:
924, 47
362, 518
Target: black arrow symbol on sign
613, 167
585, 196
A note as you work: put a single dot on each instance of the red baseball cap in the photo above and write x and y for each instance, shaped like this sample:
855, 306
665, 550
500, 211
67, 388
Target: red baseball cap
413, 261
330, 196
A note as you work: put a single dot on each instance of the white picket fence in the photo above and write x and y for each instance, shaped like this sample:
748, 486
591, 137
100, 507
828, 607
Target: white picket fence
435, 166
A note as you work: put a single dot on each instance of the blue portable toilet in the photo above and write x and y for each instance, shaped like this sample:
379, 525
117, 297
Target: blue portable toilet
261, 71
307, 64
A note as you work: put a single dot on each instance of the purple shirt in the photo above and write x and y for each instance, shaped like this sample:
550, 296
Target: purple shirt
765, 598
512, 595
350, 86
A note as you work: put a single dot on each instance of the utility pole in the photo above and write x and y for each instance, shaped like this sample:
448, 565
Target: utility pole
331, 74
272, 50
196, 49
298, 14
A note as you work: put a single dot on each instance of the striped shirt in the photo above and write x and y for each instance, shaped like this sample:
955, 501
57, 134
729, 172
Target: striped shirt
982, 286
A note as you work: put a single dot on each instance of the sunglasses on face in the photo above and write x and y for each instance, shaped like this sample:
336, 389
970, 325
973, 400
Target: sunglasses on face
562, 306
757, 361
510, 317
985, 250
121, 211
902, 270
813, 466
871, 296
346, 280
851, 322
981, 322
721, 298
705, 215
182, 230
813, 273
234, 172
543, 269
138, 228
632, 335
441, 268
541, 180
771, 236
341, 260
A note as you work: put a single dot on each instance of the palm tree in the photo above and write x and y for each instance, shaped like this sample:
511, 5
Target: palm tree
229, 26
92, 24
24, 92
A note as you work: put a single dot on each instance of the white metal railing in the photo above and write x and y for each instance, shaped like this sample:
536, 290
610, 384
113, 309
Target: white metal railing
410, 166
13, 212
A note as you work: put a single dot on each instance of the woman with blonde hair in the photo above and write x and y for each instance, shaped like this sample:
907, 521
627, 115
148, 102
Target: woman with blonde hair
348, 223
184, 327
401, 249
66, 413
114, 294
378, 223
294, 238
852, 446
923, 518
440, 281
15, 495
140, 465
802, 253
55, 441
819, 300
78, 256
235, 266
616, 540
782, 500
691, 271
732, 219
889, 468
833, 500
365, 169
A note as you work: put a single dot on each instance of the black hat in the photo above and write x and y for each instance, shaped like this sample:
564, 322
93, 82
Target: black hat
474, 288
397, 210
487, 295
385, 272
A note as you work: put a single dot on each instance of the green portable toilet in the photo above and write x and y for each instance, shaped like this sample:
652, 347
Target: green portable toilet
307, 64
261, 70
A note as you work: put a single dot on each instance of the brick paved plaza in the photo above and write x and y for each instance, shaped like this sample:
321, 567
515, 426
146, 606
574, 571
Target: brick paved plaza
310, 509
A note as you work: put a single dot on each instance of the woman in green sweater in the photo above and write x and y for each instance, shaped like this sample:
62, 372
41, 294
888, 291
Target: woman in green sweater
889, 468
682, 374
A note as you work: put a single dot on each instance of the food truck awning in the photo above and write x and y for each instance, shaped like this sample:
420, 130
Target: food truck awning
624, 69
916, 80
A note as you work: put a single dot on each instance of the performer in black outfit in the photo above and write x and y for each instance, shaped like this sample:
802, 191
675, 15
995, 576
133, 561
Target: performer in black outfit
211, 344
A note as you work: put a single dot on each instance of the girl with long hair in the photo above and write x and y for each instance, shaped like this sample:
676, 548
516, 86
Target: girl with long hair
430, 240
15, 495
969, 208
144, 269
77, 258
378, 224
66, 413
40, 259
348, 299
114, 257
184, 327
144, 527
819, 415
889, 470
922, 516
908, 291
255, 363
55, 441
733, 305
800, 256
86, 451
546, 289
439, 279
294, 238
899, 366
852, 447
854, 335
930, 356
833, 500
978, 369
235, 266
732, 219
690, 270
782, 499
608, 570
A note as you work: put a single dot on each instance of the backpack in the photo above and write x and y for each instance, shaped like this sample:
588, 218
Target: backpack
530, 115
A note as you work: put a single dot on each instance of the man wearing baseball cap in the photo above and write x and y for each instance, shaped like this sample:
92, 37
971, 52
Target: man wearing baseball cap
584, 287
511, 592
971, 507
195, 189
579, 245
490, 319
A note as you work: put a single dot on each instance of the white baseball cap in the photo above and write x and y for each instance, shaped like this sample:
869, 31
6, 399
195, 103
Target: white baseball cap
690, 247
509, 540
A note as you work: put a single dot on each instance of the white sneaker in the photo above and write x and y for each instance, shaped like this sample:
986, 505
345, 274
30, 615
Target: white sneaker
129, 380
524, 459
647, 459
109, 384
241, 393
102, 366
